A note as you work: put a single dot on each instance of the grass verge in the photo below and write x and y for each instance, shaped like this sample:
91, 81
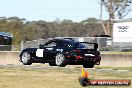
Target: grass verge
20, 77
114, 68
115, 52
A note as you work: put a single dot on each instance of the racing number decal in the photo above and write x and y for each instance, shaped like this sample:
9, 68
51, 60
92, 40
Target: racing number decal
39, 52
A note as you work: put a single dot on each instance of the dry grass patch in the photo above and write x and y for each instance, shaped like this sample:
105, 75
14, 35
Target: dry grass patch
20, 77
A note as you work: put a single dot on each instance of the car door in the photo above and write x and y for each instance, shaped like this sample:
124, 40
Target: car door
49, 51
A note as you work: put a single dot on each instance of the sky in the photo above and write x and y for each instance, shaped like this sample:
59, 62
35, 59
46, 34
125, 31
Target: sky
49, 10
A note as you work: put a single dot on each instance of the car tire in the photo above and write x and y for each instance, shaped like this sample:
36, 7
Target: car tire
98, 63
52, 64
26, 58
60, 60
88, 65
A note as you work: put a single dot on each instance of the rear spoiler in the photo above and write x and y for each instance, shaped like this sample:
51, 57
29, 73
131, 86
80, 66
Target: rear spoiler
95, 44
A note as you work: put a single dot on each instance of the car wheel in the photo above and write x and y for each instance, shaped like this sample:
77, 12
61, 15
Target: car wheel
88, 65
60, 60
26, 58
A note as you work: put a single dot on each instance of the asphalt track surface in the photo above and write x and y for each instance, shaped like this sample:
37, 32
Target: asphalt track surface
42, 67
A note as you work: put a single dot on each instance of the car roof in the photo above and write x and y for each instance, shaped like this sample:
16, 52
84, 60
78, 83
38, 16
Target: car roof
67, 41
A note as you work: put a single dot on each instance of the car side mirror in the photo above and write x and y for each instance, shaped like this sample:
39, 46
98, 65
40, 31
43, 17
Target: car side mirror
40, 46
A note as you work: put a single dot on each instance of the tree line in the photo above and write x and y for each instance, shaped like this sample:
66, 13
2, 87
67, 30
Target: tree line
24, 30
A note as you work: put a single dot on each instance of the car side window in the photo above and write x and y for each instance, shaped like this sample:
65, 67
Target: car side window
59, 44
67, 45
51, 44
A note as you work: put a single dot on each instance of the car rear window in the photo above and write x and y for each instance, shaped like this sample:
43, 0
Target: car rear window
80, 45
84, 45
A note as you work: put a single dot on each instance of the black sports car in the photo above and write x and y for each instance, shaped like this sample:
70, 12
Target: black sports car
62, 52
